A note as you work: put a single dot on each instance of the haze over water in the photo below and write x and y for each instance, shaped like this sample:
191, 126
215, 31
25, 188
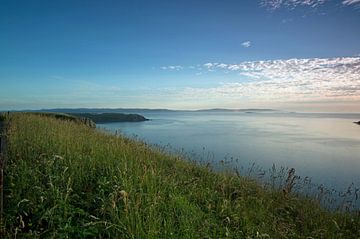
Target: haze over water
324, 147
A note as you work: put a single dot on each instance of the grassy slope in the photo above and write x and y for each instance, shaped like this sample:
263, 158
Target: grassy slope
66, 179
67, 117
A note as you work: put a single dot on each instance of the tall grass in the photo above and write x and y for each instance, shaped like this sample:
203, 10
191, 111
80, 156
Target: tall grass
67, 180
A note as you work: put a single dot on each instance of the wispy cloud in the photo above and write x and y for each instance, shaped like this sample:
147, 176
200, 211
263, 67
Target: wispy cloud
314, 79
286, 20
173, 68
222, 65
209, 65
292, 4
275, 4
246, 44
353, 3
273, 82
350, 2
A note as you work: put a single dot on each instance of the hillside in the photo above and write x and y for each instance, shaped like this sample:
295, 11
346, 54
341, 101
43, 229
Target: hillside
68, 180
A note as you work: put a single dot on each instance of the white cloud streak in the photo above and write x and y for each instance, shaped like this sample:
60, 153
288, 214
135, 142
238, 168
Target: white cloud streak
172, 68
246, 44
276, 4
292, 4
209, 65
350, 2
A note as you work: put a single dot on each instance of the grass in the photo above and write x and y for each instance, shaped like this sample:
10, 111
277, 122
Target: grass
67, 180
66, 117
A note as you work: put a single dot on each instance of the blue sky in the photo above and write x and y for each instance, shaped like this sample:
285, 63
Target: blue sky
287, 54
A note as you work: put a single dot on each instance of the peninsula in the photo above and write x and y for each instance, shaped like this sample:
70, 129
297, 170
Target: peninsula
110, 117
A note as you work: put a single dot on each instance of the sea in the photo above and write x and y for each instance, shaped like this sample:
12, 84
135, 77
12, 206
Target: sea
323, 148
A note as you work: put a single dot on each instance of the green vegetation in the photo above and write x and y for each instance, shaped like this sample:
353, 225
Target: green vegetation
111, 117
66, 117
67, 180
2, 116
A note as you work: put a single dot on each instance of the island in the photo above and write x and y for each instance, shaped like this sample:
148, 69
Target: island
110, 117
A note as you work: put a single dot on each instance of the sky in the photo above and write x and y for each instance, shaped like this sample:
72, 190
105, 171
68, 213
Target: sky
298, 55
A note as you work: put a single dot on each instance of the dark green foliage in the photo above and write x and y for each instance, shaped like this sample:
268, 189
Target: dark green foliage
2, 116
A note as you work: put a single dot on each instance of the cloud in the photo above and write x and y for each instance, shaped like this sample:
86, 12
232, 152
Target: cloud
350, 2
282, 80
296, 80
291, 4
286, 20
209, 65
313, 4
246, 44
172, 68
222, 65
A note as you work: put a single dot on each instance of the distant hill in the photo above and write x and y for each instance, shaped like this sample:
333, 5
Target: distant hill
144, 110
104, 110
236, 110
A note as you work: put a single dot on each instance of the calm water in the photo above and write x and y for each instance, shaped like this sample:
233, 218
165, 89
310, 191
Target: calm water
325, 147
